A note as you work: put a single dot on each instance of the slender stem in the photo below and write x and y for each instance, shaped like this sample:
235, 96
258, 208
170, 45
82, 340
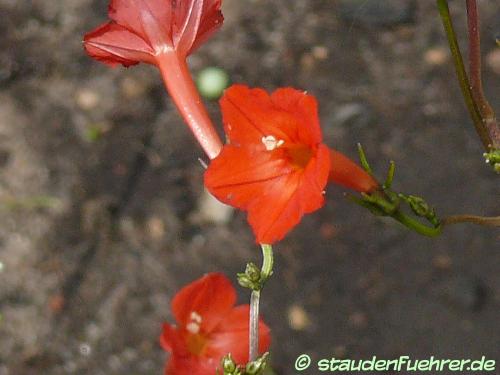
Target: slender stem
474, 51
182, 89
463, 79
479, 220
476, 81
254, 325
268, 262
265, 273
417, 226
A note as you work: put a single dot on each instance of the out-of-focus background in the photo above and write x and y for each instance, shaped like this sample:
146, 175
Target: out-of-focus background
101, 221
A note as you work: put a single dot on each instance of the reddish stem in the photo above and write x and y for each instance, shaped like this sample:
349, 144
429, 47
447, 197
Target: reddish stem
345, 172
476, 83
182, 89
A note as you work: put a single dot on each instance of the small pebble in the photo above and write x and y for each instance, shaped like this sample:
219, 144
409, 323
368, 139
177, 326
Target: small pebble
298, 319
2, 266
320, 52
210, 210
328, 231
442, 262
493, 60
436, 56
133, 88
156, 228
307, 62
87, 99
85, 350
56, 303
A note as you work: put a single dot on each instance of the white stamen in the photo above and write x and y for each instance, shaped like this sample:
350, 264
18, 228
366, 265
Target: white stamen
193, 328
271, 143
195, 317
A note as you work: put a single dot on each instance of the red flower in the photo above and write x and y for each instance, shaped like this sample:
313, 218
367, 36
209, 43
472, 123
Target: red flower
209, 327
142, 30
275, 165
162, 33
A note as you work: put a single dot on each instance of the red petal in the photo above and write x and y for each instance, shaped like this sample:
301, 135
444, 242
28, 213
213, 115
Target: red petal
187, 19
244, 111
191, 365
211, 297
239, 174
304, 108
172, 341
113, 44
249, 114
288, 114
348, 174
211, 21
285, 201
150, 19
181, 25
194, 22
231, 336
275, 196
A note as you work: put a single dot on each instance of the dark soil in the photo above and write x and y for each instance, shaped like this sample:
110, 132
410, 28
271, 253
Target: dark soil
99, 182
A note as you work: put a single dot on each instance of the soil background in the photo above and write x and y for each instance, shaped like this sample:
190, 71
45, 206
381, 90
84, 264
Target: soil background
101, 221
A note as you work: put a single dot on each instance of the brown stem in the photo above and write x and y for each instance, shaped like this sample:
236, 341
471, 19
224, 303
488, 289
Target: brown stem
462, 76
476, 83
479, 220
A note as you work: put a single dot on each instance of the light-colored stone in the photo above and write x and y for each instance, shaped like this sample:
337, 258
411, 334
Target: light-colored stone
493, 60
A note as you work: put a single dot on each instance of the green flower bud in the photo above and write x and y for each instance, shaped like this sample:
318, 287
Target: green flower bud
228, 364
256, 367
253, 272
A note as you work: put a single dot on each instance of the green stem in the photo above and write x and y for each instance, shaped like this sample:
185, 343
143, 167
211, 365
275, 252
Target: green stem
266, 272
463, 79
267, 264
416, 225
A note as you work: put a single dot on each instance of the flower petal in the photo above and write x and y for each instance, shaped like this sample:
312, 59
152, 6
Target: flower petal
114, 44
194, 22
191, 365
231, 336
172, 341
211, 21
150, 19
249, 115
275, 195
239, 174
304, 108
210, 297
287, 199
288, 114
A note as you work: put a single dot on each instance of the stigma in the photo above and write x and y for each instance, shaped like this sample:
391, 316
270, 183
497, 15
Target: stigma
271, 143
194, 323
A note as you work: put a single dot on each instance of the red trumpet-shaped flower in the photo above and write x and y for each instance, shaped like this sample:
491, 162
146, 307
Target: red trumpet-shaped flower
209, 327
275, 165
162, 33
